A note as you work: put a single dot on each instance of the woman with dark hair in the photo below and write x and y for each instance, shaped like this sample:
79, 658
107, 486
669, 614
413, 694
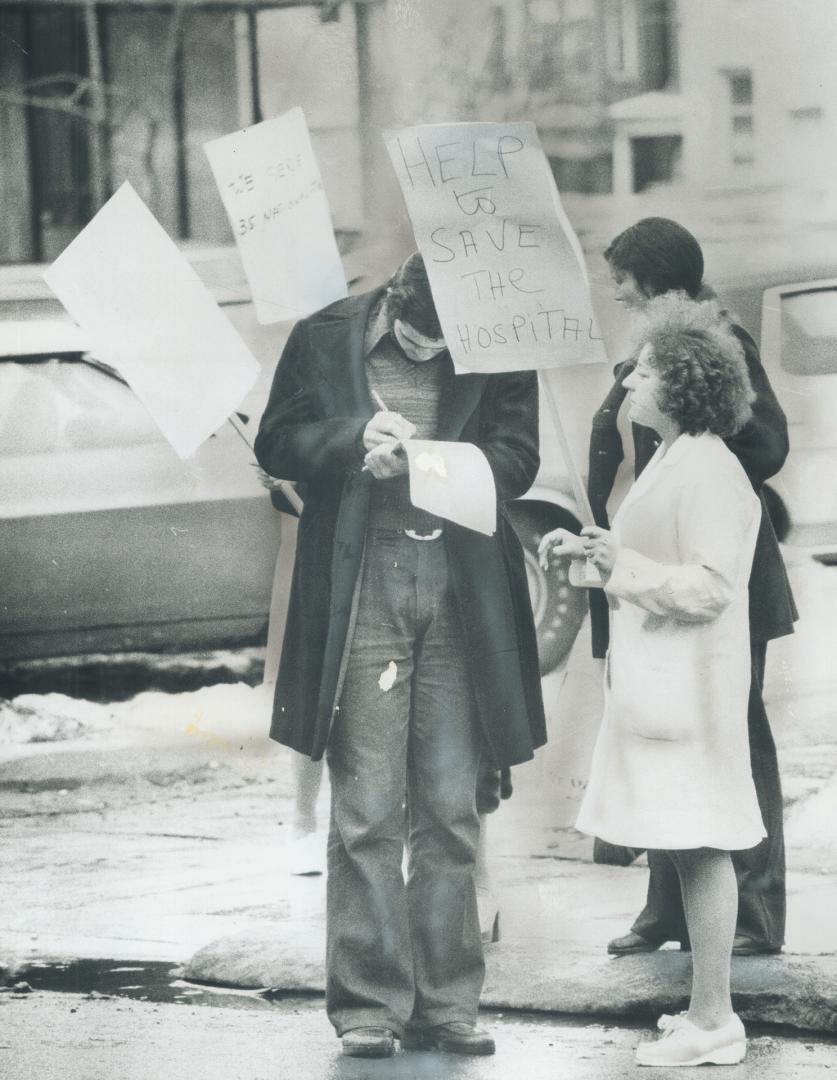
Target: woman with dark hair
654, 257
660, 255
671, 769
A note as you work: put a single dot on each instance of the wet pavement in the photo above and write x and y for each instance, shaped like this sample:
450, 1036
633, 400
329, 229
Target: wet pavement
76, 1037
159, 983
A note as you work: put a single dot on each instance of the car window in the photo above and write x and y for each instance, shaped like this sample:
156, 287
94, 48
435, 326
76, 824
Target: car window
68, 404
809, 332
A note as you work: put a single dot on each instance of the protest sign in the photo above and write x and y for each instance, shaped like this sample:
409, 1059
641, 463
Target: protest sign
453, 480
505, 266
147, 314
272, 191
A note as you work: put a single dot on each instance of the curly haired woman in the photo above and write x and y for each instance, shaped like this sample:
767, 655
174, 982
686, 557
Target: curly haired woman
653, 257
671, 768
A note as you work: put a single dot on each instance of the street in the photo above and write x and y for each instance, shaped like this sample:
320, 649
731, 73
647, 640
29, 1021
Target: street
117, 1039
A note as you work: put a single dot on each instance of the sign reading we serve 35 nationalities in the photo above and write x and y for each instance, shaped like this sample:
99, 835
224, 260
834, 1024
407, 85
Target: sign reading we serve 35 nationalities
505, 266
270, 184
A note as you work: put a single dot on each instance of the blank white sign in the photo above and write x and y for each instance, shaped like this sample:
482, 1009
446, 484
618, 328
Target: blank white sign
147, 313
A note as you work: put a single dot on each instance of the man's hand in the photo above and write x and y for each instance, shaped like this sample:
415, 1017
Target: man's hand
387, 427
386, 460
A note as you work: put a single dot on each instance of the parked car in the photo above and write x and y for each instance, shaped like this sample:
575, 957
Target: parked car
799, 351
108, 541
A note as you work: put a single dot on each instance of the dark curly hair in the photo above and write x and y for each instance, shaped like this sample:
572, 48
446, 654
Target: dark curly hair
660, 254
704, 383
409, 297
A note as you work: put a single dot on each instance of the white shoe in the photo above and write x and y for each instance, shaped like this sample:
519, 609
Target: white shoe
684, 1044
305, 854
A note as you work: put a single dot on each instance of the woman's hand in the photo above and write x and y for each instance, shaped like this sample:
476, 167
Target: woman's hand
560, 544
271, 483
600, 548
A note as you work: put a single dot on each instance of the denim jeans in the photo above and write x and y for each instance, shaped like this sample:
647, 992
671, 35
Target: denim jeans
406, 733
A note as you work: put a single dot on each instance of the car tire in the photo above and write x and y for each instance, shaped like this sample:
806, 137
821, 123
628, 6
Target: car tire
558, 607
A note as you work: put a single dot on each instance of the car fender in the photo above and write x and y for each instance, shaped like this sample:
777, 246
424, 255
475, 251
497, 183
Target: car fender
547, 495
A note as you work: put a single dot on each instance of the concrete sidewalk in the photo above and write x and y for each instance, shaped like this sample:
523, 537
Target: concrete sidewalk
137, 846
558, 910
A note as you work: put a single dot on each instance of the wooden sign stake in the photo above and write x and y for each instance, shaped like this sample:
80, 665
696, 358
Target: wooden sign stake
582, 574
286, 488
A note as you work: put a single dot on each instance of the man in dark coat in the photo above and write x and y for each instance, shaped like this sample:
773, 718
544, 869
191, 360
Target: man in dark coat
409, 654
650, 258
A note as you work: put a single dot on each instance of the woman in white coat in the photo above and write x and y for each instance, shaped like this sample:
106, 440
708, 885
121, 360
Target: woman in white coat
671, 767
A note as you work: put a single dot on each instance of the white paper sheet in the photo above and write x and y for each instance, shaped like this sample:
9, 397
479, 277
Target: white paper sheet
271, 188
505, 266
147, 313
453, 480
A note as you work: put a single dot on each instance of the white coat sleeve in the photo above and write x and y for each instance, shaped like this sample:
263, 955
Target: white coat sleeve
717, 517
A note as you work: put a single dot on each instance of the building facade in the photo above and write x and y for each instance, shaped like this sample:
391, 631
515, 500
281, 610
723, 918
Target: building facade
629, 96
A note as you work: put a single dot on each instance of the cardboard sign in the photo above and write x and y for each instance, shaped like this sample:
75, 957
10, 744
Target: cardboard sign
147, 314
505, 266
453, 480
271, 188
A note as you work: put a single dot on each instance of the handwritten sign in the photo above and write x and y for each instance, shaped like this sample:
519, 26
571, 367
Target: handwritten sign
272, 191
505, 266
147, 313
454, 481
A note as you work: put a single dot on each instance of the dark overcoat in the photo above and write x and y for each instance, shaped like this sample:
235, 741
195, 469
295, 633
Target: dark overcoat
311, 432
761, 446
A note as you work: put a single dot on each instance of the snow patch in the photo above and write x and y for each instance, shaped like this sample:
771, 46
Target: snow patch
34, 718
224, 716
811, 821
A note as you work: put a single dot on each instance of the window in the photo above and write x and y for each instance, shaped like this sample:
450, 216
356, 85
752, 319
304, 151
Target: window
656, 160
60, 405
742, 128
560, 44
545, 43
809, 333
168, 83
576, 49
741, 87
496, 64
622, 38
810, 115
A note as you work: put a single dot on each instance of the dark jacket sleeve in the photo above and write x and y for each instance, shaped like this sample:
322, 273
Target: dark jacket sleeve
606, 451
296, 439
762, 444
509, 432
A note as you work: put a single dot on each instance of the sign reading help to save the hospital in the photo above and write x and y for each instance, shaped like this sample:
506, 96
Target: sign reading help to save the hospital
271, 188
505, 267
146, 312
